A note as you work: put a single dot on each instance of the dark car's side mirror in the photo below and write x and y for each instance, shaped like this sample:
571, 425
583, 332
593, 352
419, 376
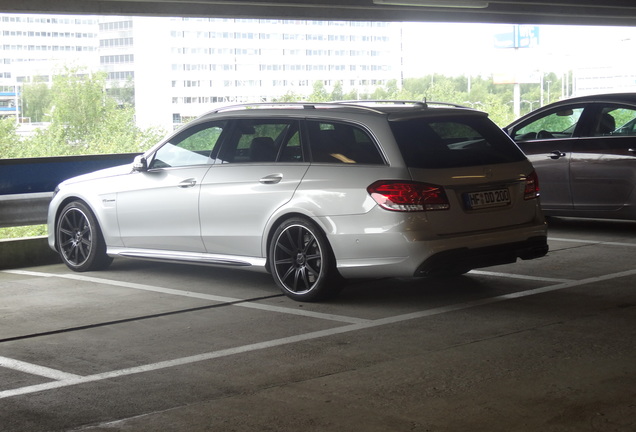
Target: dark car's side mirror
140, 163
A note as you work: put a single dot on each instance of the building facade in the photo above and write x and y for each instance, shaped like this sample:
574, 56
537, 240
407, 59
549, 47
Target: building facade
183, 67
33, 47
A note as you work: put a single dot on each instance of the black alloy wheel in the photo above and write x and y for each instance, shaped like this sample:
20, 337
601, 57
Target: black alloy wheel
79, 239
302, 263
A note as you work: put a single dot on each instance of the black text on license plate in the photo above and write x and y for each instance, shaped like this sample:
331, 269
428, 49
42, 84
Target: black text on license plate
484, 199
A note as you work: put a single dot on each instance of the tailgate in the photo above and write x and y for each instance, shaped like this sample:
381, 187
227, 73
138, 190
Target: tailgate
481, 198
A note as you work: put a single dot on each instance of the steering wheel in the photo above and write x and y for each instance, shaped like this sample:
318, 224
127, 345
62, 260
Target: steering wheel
544, 134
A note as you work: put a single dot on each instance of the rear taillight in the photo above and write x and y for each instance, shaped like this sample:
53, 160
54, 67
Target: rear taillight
408, 196
532, 186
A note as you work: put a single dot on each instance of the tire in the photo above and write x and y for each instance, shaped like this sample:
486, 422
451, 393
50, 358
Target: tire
302, 263
79, 239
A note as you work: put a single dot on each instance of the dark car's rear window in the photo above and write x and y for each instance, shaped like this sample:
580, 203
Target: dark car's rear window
453, 142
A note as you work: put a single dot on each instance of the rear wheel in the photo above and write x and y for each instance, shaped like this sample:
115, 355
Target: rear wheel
302, 263
79, 239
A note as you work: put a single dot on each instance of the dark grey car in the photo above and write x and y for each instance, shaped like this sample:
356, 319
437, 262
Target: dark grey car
584, 151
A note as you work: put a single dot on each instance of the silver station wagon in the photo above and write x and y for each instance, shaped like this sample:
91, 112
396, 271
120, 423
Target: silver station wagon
314, 194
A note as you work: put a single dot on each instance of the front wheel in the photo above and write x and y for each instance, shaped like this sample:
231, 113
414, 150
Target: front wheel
79, 239
302, 263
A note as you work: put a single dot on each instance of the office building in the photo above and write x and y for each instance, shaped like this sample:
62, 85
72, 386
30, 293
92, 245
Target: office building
182, 67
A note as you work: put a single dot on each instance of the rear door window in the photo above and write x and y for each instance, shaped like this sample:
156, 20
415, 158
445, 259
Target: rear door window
615, 121
262, 141
453, 142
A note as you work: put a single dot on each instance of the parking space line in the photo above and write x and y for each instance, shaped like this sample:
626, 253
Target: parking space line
592, 242
518, 276
33, 369
233, 301
75, 380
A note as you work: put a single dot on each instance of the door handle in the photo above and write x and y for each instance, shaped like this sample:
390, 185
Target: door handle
556, 154
187, 183
271, 179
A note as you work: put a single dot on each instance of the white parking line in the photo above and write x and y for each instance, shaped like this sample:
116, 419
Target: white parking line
75, 380
517, 276
36, 370
234, 301
593, 242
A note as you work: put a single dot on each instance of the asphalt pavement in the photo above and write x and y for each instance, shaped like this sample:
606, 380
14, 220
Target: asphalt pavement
541, 345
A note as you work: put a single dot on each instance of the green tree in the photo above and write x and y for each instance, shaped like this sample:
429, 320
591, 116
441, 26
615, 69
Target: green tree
352, 95
392, 88
498, 111
380, 93
85, 119
290, 96
319, 94
125, 96
337, 92
79, 104
36, 100
10, 145
415, 88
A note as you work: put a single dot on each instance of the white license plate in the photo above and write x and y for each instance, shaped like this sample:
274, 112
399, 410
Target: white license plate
485, 199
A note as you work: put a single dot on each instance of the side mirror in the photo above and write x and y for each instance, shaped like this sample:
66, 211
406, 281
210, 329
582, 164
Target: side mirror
140, 164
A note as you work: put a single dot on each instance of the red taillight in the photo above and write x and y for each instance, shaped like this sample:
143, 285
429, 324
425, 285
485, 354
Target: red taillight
532, 186
408, 196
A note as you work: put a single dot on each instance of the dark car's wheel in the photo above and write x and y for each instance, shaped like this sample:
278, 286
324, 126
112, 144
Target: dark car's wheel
79, 239
302, 263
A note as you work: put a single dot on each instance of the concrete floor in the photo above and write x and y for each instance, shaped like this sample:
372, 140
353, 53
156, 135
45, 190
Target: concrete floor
543, 345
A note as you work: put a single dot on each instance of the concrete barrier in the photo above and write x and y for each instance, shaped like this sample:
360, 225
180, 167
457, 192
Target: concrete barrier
26, 252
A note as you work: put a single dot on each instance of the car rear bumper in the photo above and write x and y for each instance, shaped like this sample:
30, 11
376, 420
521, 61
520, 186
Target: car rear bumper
463, 259
401, 251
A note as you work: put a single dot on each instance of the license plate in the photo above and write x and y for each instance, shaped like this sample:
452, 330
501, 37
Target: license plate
485, 199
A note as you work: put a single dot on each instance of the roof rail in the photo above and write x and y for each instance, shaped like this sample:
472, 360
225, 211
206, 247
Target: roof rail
449, 104
423, 103
355, 104
294, 105
380, 101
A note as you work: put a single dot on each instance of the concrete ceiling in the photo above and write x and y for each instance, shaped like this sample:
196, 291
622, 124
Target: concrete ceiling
581, 12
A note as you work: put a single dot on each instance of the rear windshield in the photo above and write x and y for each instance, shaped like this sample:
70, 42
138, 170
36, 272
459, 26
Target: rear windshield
453, 142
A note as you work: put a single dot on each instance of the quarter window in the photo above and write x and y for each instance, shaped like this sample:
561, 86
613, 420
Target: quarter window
339, 143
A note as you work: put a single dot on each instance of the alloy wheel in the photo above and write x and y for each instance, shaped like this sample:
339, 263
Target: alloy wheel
75, 237
298, 259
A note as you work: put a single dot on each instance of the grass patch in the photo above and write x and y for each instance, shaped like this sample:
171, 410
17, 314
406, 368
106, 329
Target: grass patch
22, 232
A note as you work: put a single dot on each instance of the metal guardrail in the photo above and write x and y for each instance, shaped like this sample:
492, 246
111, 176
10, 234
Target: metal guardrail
24, 209
26, 189
26, 185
